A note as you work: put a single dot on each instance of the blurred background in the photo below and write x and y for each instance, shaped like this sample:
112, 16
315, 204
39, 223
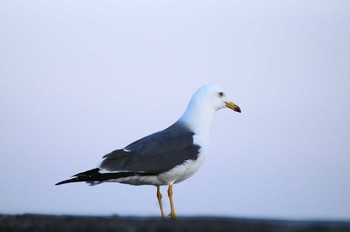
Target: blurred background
79, 79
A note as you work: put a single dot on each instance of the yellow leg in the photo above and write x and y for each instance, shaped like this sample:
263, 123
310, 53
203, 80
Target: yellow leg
159, 196
172, 210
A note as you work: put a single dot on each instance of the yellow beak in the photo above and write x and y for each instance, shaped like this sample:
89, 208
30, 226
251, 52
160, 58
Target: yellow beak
233, 106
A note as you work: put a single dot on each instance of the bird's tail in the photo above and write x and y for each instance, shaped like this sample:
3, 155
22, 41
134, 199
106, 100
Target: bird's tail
93, 176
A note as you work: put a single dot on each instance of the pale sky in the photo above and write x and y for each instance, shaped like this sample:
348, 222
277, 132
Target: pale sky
79, 79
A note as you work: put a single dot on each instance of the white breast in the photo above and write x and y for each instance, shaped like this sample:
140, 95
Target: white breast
188, 168
181, 172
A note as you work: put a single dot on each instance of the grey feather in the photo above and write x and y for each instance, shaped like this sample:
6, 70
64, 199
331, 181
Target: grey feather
156, 153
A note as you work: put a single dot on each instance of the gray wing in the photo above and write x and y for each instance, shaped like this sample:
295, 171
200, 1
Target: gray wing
156, 153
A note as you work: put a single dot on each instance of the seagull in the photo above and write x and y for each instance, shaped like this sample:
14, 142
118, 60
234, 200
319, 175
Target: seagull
165, 157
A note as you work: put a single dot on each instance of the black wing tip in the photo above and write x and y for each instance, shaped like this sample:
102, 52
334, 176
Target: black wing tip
67, 181
59, 183
62, 182
82, 177
93, 176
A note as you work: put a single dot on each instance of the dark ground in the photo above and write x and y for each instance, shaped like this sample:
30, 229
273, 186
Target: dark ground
39, 223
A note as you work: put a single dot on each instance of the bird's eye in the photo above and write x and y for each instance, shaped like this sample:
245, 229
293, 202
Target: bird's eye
221, 94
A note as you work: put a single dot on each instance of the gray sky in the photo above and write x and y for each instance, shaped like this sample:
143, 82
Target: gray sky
79, 79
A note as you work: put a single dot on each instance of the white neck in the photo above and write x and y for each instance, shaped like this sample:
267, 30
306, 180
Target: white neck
198, 117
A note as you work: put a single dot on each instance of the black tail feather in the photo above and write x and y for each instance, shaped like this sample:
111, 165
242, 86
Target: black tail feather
94, 176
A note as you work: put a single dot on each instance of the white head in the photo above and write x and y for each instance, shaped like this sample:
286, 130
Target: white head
213, 96
203, 104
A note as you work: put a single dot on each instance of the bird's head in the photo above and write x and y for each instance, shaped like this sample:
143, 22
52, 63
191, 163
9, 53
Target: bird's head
215, 97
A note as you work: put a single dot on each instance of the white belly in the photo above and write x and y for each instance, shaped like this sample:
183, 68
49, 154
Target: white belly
181, 172
189, 168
